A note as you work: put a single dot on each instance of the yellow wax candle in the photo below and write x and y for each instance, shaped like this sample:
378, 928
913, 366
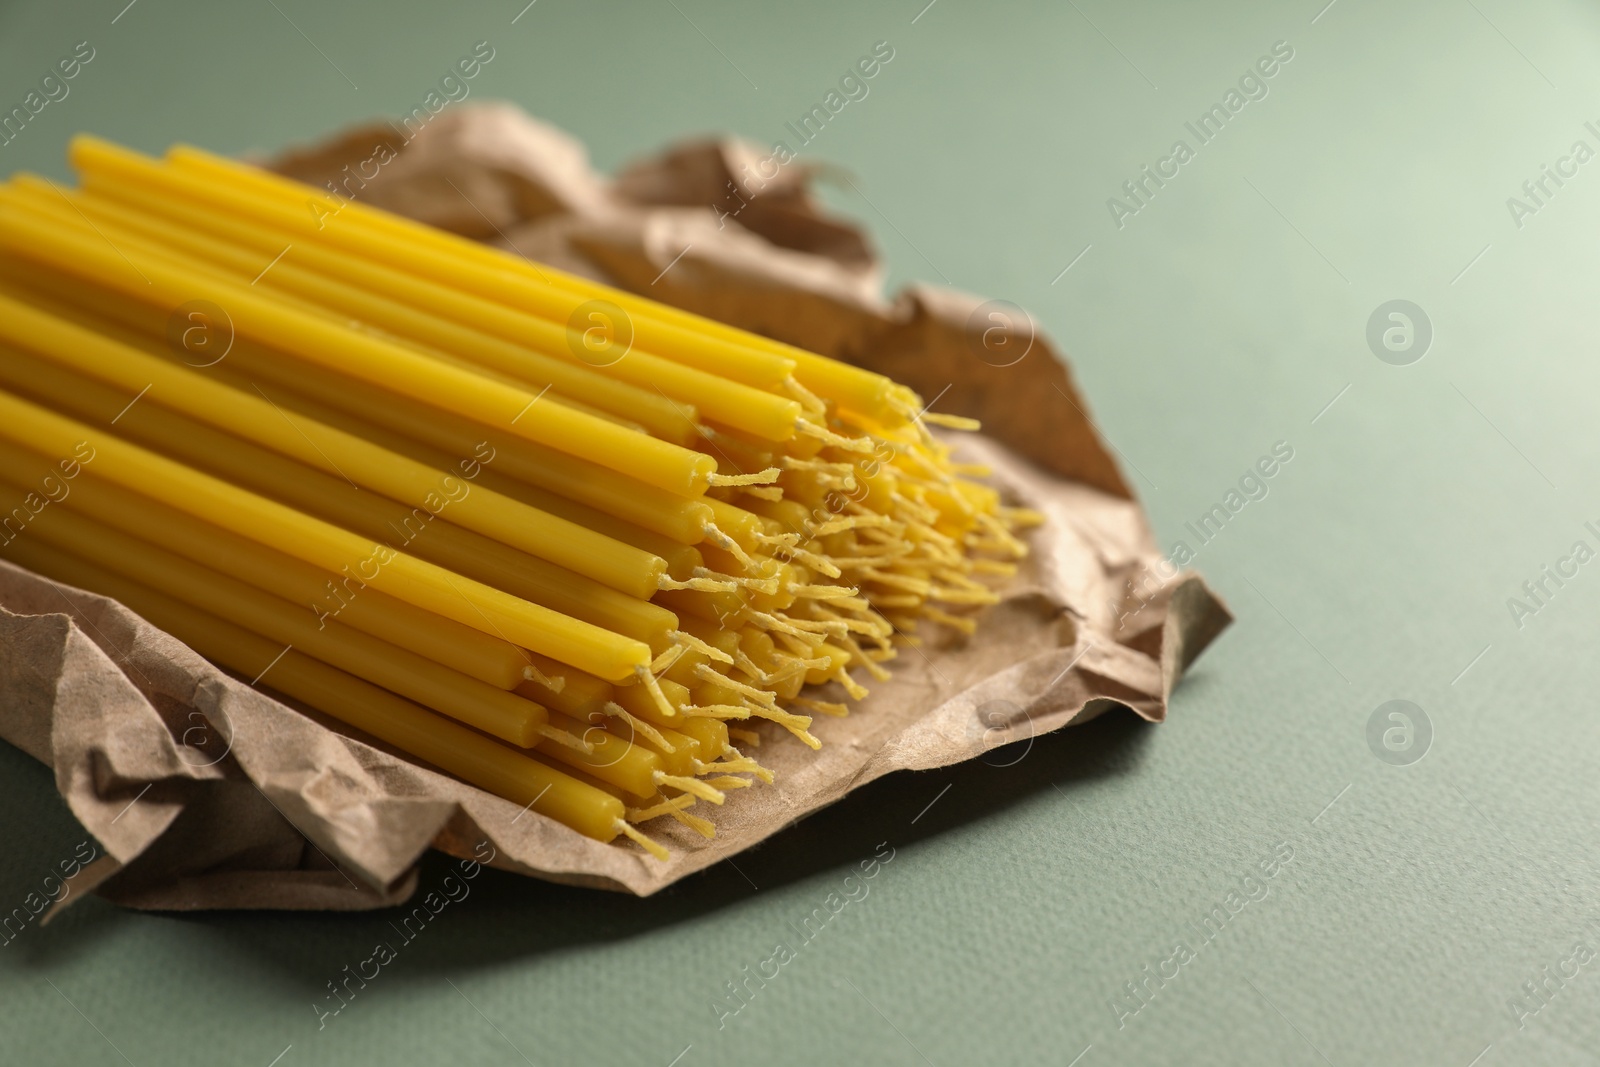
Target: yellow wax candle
682, 560
741, 354
763, 652
257, 419
708, 694
327, 497
516, 343
590, 648
505, 715
685, 752
860, 390
685, 670
489, 659
453, 260
709, 607
241, 251
121, 318
736, 453
712, 735
634, 700
742, 525
617, 760
680, 518
465, 753
790, 515
565, 689
386, 364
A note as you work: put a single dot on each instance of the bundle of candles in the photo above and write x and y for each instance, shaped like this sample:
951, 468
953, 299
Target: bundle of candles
563, 542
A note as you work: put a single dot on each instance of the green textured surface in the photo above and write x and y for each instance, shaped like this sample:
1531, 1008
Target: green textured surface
1220, 320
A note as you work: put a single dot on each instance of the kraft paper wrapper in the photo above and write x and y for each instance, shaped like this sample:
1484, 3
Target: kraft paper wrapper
207, 793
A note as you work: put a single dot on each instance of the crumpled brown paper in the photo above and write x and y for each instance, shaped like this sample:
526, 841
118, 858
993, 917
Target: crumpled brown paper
206, 793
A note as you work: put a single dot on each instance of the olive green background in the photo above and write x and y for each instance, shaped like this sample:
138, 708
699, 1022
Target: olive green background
1221, 319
